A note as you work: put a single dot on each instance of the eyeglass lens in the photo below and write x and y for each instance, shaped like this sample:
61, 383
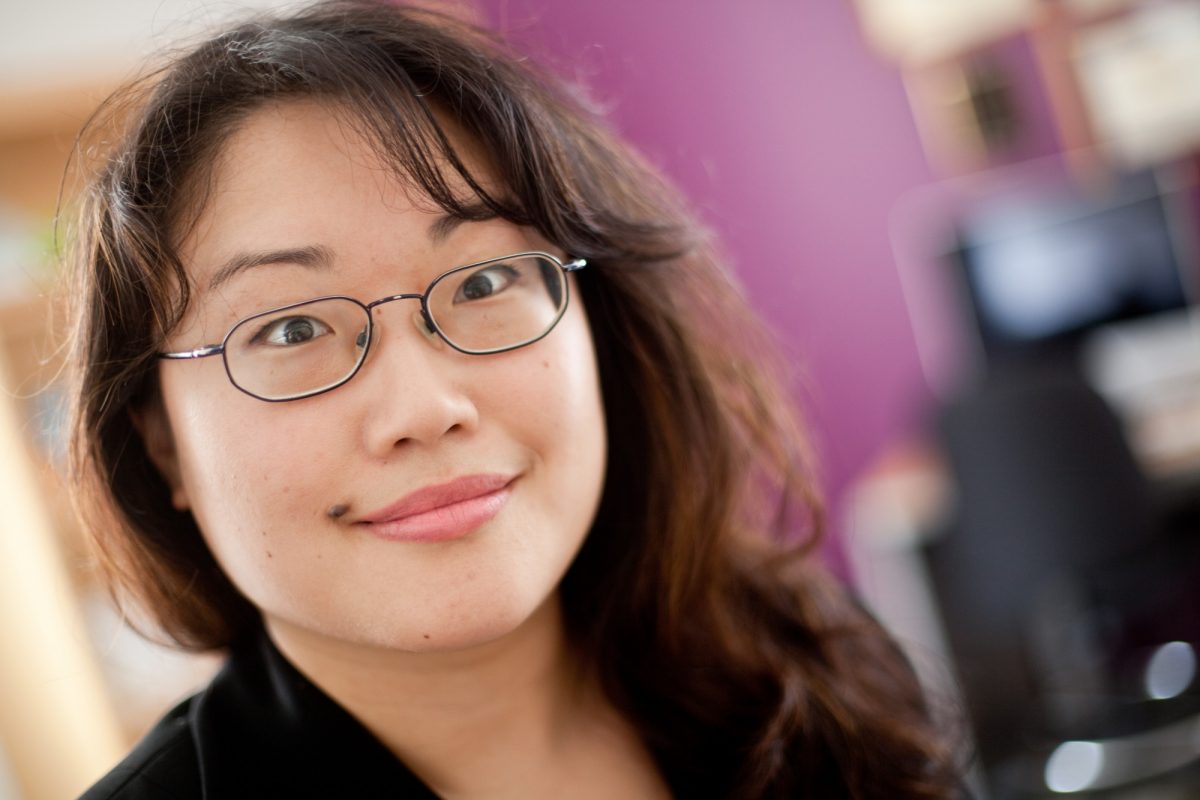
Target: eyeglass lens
310, 347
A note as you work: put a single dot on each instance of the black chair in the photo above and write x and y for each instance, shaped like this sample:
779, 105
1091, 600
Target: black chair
1059, 571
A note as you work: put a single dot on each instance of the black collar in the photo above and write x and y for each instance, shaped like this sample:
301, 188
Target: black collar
262, 729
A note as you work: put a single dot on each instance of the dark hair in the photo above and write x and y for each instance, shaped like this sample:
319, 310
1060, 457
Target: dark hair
747, 671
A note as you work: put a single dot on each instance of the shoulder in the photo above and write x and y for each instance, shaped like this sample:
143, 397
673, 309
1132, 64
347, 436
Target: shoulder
259, 729
163, 766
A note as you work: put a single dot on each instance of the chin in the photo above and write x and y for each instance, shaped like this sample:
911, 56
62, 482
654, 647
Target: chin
448, 629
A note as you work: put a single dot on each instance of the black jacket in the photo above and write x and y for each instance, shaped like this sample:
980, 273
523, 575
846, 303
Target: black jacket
260, 730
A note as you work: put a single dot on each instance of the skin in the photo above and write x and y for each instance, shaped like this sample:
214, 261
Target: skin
459, 642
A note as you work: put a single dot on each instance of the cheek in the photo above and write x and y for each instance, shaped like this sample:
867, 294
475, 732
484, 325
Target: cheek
565, 418
561, 387
245, 475
549, 390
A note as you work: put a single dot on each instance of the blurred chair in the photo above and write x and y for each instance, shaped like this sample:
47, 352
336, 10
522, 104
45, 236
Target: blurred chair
1059, 573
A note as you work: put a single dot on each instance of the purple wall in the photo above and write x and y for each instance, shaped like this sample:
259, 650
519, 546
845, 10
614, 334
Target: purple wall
794, 142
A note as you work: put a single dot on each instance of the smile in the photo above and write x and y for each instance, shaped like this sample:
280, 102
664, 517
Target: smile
442, 513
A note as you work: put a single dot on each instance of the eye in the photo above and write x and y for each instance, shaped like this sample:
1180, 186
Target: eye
290, 331
485, 283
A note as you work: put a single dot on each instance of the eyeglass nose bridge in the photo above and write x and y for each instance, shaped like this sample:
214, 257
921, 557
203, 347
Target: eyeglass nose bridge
430, 327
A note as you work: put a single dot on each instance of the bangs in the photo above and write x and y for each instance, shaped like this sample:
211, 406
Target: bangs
401, 102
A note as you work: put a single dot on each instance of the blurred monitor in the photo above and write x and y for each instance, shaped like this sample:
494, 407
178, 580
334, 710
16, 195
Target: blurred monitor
1042, 269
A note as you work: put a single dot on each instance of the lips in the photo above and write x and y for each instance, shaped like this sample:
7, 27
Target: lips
442, 512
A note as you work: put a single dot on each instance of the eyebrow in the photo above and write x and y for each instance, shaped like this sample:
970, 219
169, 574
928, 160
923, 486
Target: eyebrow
321, 257
443, 226
313, 256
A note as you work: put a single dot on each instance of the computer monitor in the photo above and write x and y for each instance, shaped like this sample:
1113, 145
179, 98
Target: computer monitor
1043, 268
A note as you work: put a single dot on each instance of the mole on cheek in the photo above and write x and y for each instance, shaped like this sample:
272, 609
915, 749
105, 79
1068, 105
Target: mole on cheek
269, 554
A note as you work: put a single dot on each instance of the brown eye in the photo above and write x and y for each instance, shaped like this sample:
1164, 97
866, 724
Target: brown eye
485, 283
290, 331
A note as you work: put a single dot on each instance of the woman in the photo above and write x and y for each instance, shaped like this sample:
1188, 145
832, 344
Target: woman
400, 378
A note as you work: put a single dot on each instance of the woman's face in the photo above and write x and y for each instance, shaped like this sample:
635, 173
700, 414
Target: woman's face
525, 427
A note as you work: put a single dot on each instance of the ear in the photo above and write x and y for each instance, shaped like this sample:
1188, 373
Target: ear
152, 424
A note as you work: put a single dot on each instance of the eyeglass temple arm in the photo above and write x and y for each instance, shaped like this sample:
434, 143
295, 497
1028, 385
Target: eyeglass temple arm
577, 264
199, 352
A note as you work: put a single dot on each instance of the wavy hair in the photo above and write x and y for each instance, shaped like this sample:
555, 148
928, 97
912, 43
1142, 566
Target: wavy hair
747, 671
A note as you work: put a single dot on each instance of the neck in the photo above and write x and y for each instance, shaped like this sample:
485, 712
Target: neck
448, 715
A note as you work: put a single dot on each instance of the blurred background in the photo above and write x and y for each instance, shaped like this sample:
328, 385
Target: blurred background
974, 226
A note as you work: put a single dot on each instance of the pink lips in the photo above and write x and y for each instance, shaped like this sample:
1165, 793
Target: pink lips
443, 512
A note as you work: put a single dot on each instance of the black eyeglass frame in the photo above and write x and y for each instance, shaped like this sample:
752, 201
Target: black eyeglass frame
207, 350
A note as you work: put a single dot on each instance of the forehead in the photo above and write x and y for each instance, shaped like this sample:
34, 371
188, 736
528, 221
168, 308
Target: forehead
298, 172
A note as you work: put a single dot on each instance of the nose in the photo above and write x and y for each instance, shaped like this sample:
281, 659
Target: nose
415, 389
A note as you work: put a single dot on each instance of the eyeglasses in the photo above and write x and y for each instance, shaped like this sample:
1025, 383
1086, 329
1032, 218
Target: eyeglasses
303, 349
